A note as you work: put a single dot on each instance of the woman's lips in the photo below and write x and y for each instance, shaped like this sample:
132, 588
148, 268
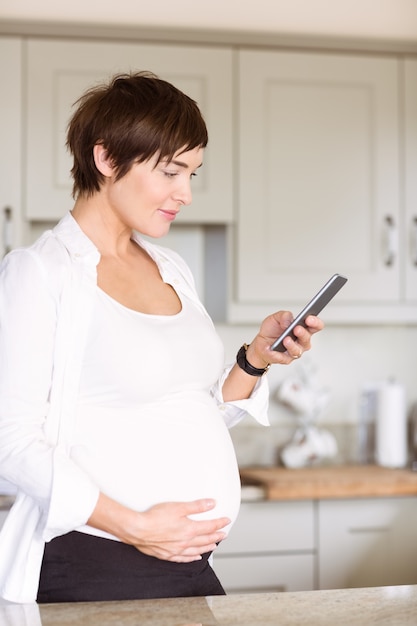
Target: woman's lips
169, 215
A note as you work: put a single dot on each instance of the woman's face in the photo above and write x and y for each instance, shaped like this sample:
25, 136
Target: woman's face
150, 195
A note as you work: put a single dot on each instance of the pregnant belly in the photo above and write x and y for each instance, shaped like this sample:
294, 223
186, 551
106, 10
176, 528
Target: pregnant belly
180, 453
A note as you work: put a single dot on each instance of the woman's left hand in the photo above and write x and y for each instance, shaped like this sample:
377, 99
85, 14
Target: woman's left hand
259, 353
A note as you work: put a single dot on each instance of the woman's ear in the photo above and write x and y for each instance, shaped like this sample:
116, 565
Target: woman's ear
102, 160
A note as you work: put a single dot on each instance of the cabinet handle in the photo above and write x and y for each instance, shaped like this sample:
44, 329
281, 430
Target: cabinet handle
7, 229
413, 238
390, 241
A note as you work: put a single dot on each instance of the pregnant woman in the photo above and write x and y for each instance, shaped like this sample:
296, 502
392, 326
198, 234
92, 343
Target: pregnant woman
115, 402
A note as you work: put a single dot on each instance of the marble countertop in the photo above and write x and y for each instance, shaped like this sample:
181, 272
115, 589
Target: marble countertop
373, 605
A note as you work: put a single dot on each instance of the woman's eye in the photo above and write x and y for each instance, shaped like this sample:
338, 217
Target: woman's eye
174, 174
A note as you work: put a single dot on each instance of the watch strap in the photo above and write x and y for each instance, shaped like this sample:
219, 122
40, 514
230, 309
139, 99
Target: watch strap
246, 366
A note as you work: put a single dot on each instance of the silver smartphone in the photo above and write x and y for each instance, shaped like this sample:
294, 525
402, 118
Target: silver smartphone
323, 297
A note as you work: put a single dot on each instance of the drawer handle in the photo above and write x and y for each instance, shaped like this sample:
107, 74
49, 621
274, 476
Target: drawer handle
390, 241
368, 529
7, 229
413, 238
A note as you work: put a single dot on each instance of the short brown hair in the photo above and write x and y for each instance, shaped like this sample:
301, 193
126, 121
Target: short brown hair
135, 117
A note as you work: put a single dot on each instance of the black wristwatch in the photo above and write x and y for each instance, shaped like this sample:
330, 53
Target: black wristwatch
246, 366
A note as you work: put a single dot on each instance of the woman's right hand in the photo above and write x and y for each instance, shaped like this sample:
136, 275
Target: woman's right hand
164, 531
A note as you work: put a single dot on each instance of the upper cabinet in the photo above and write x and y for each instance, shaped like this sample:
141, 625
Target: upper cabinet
57, 72
410, 182
312, 161
320, 184
10, 141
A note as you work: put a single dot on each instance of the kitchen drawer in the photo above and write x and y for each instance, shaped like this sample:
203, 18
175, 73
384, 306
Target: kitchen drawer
271, 527
266, 573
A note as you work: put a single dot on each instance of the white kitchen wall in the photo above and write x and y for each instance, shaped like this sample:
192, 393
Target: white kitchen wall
392, 19
344, 358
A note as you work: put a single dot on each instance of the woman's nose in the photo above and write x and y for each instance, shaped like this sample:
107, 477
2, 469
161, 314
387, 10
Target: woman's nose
183, 194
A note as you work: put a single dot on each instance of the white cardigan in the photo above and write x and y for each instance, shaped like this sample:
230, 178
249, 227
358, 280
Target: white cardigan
46, 297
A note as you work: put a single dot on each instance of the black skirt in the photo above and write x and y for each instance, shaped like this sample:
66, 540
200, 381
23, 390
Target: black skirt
77, 567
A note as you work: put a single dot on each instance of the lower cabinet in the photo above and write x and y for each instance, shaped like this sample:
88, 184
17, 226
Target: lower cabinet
320, 544
367, 543
266, 573
270, 548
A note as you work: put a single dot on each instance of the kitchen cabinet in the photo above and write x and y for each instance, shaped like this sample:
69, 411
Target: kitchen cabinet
316, 149
410, 183
321, 542
320, 184
271, 547
59, 71
366, 543
10, 137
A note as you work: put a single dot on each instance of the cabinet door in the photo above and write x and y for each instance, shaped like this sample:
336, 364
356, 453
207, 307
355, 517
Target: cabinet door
265, 573
271, 527
271, 547
59, 71
366, 543
410, 243
10, 138
319, 177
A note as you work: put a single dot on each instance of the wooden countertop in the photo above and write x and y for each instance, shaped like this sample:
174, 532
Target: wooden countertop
318, 483
337, 481
314, 483
353, 607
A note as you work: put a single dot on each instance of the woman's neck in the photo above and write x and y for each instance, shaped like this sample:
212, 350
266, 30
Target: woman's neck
109, 235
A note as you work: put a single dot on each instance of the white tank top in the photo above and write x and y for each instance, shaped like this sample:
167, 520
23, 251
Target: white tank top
147, 429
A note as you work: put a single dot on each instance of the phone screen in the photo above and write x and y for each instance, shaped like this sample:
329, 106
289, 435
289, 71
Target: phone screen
316, 304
